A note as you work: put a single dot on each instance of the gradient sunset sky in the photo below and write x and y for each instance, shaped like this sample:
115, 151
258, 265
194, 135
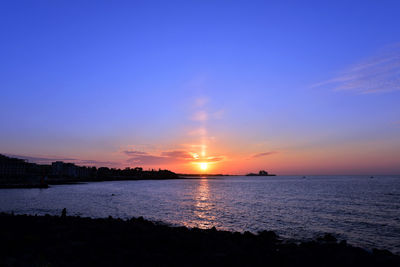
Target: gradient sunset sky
292, 87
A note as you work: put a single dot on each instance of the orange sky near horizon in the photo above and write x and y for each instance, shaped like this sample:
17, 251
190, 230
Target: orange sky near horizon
358, 157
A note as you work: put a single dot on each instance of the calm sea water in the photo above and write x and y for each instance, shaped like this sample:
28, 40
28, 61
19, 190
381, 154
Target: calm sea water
363, 210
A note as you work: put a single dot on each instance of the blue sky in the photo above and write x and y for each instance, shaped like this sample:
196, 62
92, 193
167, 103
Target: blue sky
312, 81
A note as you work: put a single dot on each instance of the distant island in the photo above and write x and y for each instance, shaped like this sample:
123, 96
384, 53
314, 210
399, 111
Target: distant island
18, 173
260, 173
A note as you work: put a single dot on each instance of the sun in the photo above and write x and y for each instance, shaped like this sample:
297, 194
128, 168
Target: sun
203, 166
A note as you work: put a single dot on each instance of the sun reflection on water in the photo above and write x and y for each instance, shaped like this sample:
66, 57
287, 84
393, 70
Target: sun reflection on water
203, 208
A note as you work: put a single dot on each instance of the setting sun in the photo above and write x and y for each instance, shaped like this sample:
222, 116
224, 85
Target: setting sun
203, 166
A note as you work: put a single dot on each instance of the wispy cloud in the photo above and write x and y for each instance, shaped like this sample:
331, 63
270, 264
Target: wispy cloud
211, 159
98, 163
264, 154
198, 132
200, 116
134, 152
168, 157
149, 160
378, 74
180, 154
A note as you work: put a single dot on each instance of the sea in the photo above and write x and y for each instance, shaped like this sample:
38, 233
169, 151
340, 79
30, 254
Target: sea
363, 210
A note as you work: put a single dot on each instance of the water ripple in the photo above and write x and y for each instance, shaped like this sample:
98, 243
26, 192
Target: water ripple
366, 212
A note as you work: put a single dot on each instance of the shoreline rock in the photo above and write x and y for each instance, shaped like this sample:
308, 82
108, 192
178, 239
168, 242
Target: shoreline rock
27, 240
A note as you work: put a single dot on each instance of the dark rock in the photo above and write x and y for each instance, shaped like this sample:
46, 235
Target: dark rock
72, 241
64, 213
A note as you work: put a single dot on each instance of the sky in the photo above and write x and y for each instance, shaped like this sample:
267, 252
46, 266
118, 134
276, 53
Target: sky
291, 87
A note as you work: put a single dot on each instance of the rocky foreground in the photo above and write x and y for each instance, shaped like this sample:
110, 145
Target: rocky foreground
74, 241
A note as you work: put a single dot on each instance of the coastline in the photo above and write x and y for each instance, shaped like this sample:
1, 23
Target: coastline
69, 181
76, 241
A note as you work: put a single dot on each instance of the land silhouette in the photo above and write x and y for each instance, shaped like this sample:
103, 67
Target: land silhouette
75, 241
18, 173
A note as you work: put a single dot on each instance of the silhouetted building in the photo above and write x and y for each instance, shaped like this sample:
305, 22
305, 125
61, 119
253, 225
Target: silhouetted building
13, 170
61, 169
12, 167
83, 172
